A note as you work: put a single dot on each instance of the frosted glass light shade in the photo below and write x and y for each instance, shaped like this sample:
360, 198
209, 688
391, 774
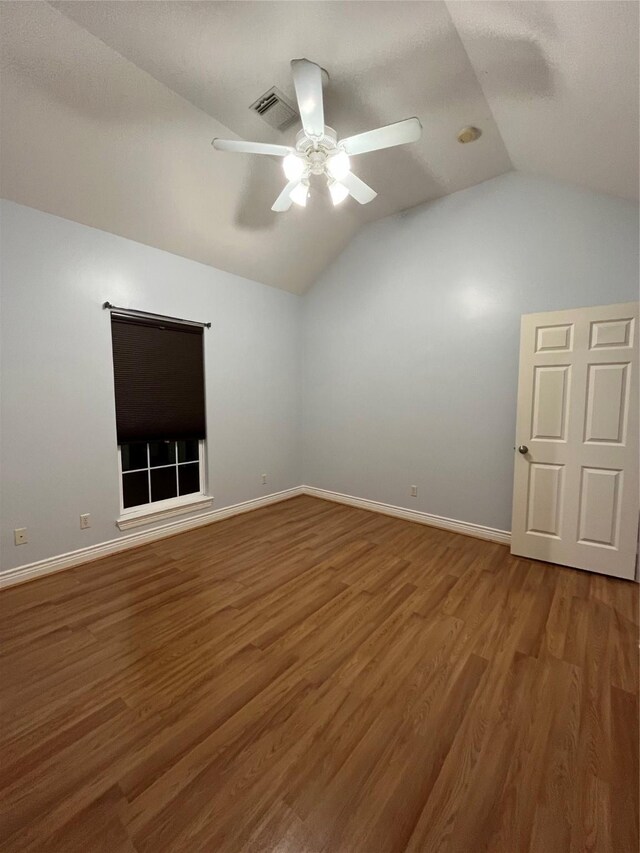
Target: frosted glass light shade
338, 165
293, 166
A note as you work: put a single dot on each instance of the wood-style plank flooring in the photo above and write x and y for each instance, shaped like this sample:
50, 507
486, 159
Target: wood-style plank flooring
311, 677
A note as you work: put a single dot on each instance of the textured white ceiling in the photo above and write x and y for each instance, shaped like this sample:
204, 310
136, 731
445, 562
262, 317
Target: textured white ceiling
108, 110
562, 81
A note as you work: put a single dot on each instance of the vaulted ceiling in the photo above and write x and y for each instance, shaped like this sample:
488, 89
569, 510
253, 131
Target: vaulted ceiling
109, 108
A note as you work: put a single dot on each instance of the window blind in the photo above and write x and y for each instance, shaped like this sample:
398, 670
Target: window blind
159, 380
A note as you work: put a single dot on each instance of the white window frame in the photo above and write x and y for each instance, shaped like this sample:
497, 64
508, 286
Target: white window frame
157, 510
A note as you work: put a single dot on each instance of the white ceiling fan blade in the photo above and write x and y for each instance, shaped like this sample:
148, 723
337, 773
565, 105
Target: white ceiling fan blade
307, 79
241, 147
284, 201
358, 189
409, 130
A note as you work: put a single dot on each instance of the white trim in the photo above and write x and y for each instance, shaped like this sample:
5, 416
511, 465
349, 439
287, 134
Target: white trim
103, 549
94, 552
478, 531
170, 509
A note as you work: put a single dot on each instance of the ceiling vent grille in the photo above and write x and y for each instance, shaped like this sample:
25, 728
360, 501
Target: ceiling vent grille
274, 108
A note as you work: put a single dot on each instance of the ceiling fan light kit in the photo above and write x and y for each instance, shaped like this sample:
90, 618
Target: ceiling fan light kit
317, 148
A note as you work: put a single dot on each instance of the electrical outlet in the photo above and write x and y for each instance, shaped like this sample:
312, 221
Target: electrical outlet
414, 491
20, 536
85, 521
264, 479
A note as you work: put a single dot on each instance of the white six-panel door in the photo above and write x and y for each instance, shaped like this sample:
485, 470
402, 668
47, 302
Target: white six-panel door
575, 499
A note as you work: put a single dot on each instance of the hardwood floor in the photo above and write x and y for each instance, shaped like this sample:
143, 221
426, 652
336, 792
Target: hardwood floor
313, 677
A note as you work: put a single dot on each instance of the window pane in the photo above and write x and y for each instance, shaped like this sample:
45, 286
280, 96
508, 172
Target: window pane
134, 455
162, 453
135, 489
189, 478
163, 484
188, 451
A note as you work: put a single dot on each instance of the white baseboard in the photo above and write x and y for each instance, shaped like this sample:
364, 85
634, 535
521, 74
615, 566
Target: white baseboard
21, 574
132, 540
465, 527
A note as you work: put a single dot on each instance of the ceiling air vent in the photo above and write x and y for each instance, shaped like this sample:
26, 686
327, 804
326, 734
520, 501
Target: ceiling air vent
274, 108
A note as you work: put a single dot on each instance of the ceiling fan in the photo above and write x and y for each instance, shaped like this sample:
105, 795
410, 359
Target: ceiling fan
317, 149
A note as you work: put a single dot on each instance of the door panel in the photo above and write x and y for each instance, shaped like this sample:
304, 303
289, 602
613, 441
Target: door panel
611, 333
599, 506
550, 399
545, 499
606, 415
554, 338
575, 499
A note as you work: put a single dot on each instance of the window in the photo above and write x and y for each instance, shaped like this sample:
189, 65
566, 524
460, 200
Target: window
160, 416
160, 471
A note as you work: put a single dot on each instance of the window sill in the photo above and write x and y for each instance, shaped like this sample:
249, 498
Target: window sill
147, 515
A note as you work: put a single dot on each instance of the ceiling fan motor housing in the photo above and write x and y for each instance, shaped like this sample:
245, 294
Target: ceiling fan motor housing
327, 142
317, 151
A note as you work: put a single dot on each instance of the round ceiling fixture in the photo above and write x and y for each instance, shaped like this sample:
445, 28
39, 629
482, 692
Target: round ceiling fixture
469, 134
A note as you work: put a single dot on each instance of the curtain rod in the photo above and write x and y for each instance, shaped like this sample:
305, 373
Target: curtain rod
133, 312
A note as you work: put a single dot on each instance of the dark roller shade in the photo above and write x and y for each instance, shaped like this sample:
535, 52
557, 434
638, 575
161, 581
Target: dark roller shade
159, 380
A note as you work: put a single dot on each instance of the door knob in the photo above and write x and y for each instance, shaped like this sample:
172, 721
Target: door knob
523, 449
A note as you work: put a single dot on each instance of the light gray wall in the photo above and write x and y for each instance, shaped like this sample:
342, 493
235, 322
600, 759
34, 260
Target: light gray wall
58, 438
411, 338
408, 345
